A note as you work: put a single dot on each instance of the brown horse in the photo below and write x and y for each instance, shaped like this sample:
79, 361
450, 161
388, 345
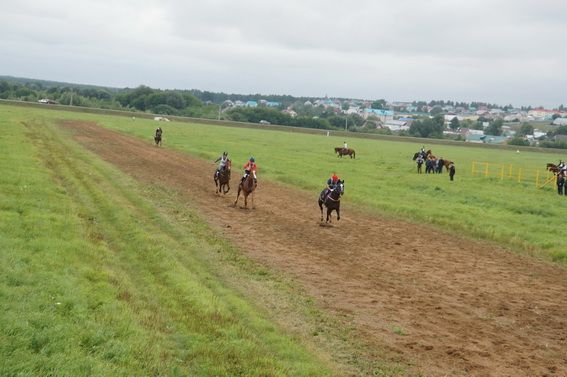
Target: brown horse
247, 186
552, 168
447, 164
345, 152
222, 179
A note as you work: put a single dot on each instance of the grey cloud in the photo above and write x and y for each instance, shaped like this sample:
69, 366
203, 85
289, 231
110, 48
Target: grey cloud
499, 51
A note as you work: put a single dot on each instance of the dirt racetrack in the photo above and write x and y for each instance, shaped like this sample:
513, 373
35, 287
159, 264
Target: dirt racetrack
448, 306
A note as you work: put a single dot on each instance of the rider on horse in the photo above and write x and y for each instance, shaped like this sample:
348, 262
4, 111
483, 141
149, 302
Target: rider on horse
222, 160
561, 165
422, 152
331, 185
250, 167
158, 132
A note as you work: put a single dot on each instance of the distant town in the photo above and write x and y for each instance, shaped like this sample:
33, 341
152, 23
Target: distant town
473, 122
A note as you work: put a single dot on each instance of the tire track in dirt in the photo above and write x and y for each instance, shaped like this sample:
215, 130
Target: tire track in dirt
446, 305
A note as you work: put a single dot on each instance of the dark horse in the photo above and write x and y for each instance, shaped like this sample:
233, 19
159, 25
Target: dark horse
247, 186
222, 179
332, 200
345, 152
157, 138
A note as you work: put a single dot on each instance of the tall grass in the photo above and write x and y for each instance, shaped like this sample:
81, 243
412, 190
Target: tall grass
94, 281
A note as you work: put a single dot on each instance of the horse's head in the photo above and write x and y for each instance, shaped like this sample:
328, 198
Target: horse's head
338, 149
228, 164
340, 187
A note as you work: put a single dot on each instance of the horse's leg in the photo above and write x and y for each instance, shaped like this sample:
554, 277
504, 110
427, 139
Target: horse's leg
245, 200
321, 208
237, 196
252, 194
338, 209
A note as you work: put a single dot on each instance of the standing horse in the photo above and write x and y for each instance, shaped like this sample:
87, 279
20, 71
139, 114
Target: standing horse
552, 168
247, 186
222, 179
345, 152
332, 201
447, 164
157, 138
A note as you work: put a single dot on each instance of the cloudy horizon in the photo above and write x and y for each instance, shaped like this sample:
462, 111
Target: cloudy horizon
499, 52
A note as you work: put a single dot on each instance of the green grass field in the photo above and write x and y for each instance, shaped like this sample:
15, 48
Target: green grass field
383, 180
99, 276
96, 279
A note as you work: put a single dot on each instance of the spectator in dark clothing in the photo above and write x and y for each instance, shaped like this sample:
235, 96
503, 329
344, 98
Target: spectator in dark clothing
419, 164
429, 166
452, 171
560, 183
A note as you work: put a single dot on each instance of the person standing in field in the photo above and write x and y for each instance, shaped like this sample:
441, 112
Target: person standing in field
419, 162
452, 172
560, 183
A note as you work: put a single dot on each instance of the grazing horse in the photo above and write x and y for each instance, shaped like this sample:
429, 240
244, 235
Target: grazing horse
247, 187
157, 138
345, 152
332, 200
222, 179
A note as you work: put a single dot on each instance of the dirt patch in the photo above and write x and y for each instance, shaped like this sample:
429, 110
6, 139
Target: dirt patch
446, 305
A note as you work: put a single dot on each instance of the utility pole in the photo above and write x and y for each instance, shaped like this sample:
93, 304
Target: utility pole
71, 102
219, 111
346, 123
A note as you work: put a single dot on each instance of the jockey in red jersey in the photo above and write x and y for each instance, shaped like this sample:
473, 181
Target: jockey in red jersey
331, 183
250, 167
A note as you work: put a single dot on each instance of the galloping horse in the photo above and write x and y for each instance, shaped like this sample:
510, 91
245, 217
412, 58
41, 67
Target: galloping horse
332, 201
345, 152
157, 138
247, 187
222, 179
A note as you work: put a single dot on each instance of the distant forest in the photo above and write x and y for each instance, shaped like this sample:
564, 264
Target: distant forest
191, 103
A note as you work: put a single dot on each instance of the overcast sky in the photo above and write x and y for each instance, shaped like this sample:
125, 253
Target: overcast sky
501, 51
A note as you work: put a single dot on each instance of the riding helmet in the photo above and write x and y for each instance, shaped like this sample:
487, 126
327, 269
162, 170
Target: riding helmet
252, 159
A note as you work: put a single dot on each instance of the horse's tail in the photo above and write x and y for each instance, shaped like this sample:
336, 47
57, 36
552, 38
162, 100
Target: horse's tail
353, 153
